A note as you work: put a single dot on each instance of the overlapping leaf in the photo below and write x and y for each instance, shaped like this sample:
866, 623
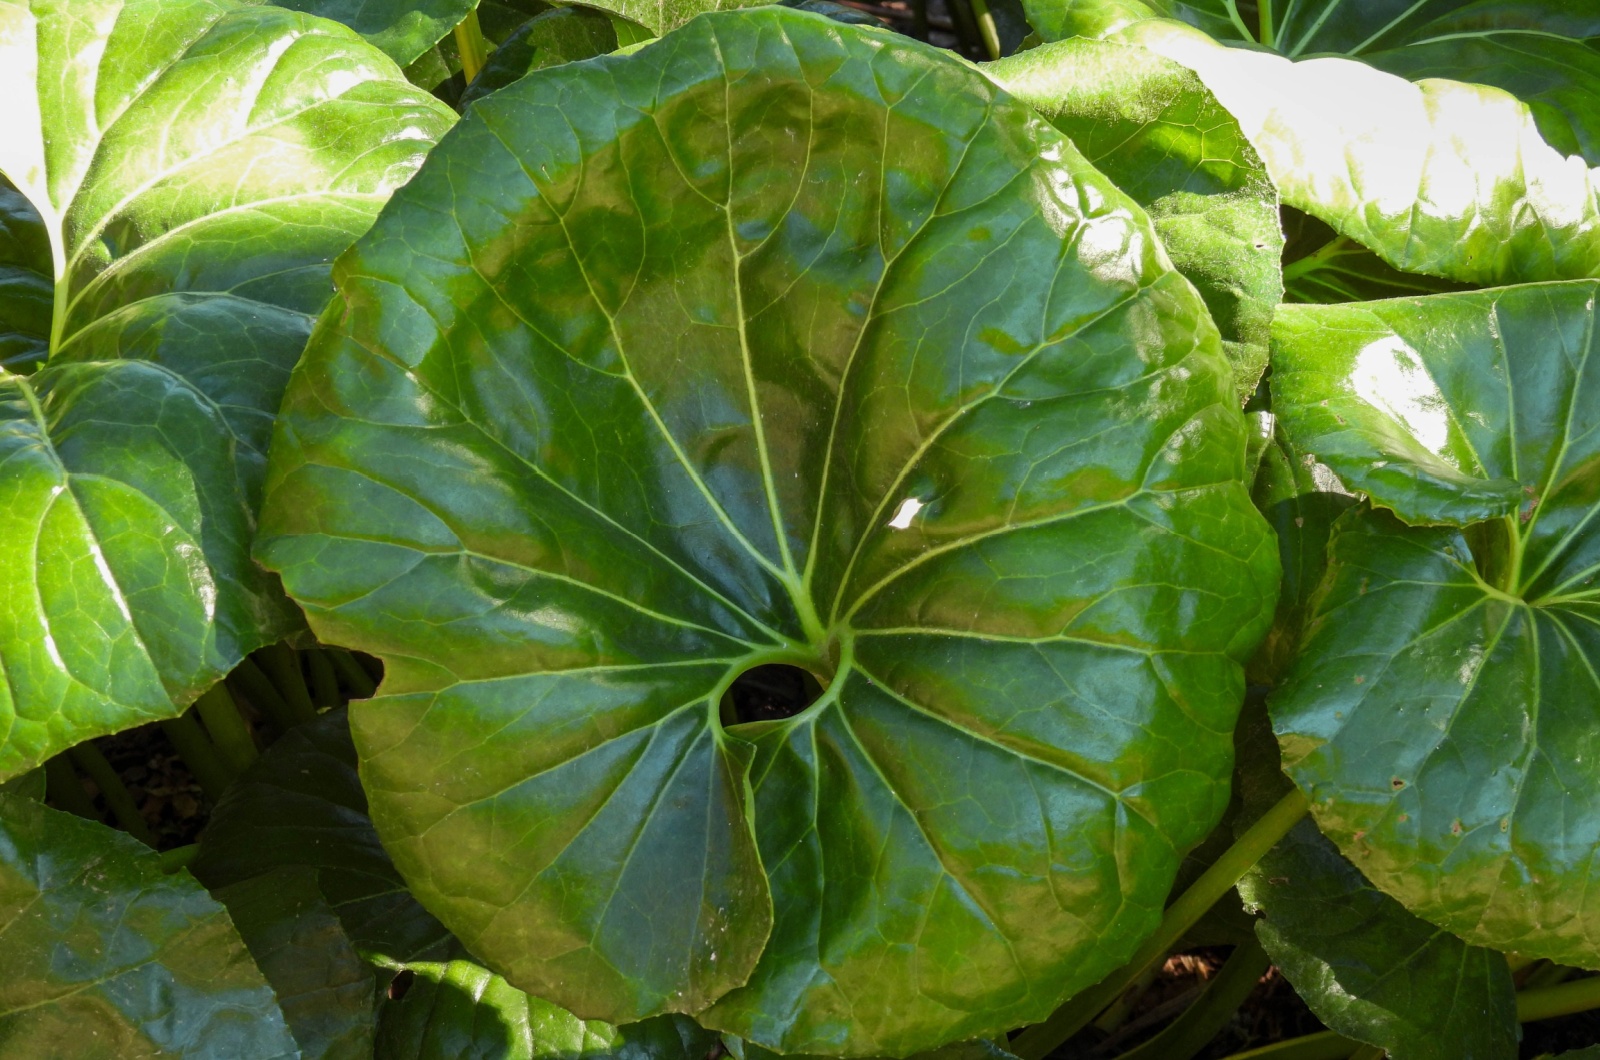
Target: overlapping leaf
460, 1009
323, 987
836, 357
194, 167
106, 952
1441, 177
567, 34
1301, 498
1369, 969
1441, 715
403, 29
300, 810
1160, 135
27, 287
293, 854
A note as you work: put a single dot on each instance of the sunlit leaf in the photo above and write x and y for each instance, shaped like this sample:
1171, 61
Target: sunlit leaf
1160, 135
1441, 712
195, 165
952, 436
1443, 178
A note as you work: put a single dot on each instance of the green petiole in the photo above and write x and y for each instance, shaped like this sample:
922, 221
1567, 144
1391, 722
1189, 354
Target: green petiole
470, 43
1040, 1040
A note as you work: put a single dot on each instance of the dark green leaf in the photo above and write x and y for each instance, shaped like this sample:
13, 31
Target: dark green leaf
28, 785
105, 951
403, 29
27, 289
458, 1010
950, 434
300, 807
567, 34
1300, 498
194, 244
1370, 970
660, 16
1412, 399
293, 853
1442, 178
126, 583
438, 69
324, 988
1440, 715
1160, 135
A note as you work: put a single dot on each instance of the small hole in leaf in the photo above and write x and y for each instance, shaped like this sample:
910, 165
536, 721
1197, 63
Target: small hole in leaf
769, 692
401, 983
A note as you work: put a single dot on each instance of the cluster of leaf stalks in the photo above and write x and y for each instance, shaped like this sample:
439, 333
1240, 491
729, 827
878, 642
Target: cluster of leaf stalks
764, 551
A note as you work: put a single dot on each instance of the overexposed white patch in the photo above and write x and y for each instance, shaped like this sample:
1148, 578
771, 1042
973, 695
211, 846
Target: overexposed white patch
1390, 375
907, 512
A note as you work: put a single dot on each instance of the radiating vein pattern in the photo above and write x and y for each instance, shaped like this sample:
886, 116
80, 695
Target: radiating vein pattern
176, 180
778, 341
1442, 716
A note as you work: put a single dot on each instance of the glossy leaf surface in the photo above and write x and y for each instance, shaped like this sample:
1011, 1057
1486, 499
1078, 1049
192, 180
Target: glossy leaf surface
940, 436
1441, 713
27, 286
1537, 50
126, 584
105, 951
194, 244
403, 29
1370, 970
1416, 400
1442, 177
1161, 136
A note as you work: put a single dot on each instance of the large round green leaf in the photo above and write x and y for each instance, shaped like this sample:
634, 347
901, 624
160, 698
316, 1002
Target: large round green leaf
778, 341
106, 956
194, 166
1439, 177
1162, 137
1442, 712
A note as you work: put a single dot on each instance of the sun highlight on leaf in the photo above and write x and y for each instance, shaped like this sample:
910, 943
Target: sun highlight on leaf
782, 360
